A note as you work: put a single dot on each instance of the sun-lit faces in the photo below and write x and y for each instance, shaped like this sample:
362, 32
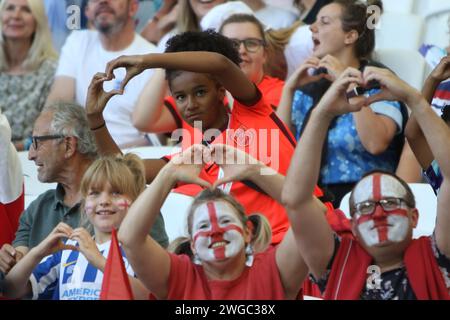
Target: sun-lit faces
327, 33
252, 62
199, 98
217, 232
106, 207
380, 212
17, 20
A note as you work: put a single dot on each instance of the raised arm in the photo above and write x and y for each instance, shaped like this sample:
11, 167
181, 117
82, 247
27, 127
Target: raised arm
228, 73
414, 134
17, 283
149, 260
238, 166
297, 79
437, 134
96, 102
150, 115
307, 214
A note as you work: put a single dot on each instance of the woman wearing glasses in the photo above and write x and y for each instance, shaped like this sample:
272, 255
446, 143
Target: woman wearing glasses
248, 34
154, 111
27, 65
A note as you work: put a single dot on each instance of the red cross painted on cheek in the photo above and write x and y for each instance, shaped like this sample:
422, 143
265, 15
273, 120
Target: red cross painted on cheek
216, 232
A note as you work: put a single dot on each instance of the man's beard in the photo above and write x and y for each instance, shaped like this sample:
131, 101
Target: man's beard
110, 27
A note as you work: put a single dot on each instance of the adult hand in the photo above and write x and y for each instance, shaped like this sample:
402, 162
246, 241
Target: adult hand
334, 67
300, 77
9, 256
442, 70
392, 87
334, 102
134, 65
236, 164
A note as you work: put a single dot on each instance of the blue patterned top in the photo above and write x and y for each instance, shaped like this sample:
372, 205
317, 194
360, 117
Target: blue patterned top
347, 159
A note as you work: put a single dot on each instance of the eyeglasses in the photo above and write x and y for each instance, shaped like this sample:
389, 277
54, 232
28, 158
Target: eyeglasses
35, 139
368, 207
250, 44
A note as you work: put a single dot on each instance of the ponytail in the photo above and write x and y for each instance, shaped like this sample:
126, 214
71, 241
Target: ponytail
261, 232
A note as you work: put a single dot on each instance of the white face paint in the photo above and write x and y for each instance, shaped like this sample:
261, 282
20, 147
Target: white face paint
217, 231
381, 226
396, 231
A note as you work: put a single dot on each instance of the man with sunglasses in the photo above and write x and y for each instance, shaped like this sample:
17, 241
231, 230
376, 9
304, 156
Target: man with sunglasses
382, 261
63, 148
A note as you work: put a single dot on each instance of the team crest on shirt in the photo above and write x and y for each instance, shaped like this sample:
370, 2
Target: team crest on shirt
242, 137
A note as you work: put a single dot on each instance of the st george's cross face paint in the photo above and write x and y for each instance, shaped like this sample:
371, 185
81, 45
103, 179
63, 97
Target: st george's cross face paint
381, 214
106, 207
218, 233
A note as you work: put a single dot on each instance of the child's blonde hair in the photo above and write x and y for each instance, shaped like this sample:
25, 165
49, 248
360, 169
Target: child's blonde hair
125, 173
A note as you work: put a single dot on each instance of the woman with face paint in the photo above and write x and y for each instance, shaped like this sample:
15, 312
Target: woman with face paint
225, 255
73, 269
382, 261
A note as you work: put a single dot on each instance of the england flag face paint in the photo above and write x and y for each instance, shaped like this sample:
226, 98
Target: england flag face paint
217, 232
382, 224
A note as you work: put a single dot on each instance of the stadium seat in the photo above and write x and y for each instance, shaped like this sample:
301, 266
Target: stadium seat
399, 6
174, 212
399, 31
426, 203
33, 187
436, 27
409, 65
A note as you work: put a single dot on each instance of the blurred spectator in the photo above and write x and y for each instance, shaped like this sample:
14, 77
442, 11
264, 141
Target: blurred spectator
63, 17
161, 22
11, 185
188, 14
87, 52
27, 65
271, 16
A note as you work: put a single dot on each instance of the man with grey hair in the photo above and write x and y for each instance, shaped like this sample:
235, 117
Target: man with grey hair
63, 148
87, 52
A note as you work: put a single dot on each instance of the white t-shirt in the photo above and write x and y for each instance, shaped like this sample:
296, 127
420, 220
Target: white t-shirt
11, 178
67, 275
299, 48
276, 17
82, 56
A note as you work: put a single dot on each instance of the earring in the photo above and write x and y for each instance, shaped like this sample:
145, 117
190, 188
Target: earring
249, 255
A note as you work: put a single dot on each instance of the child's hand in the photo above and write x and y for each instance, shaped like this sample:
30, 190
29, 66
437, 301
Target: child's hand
88, 247
236, 164
186, 166
53, 242
97, 98
133, 64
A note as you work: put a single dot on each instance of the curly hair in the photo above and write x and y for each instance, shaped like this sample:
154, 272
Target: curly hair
207, 40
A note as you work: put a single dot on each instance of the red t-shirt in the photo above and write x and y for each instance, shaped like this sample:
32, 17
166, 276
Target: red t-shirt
9, 219
271, 89
261, 281
258, 131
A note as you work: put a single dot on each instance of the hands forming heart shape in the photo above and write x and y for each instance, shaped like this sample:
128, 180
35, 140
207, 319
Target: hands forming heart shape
235, 164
